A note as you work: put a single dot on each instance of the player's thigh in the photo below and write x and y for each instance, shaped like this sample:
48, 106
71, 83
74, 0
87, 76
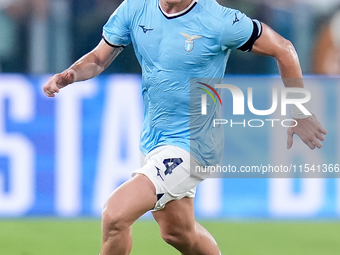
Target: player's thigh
130, 201
177, 217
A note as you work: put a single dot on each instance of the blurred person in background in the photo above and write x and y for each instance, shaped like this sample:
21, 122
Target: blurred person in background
298, 21
21, 23
11, 13
326, 60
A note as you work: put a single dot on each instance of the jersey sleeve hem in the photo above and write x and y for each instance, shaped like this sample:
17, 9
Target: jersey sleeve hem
110, 43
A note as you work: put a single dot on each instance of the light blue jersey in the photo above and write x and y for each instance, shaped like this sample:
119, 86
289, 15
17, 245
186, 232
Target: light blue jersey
171, 50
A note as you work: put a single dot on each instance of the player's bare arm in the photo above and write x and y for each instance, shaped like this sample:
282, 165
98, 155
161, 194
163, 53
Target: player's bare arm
87, 67
272, 44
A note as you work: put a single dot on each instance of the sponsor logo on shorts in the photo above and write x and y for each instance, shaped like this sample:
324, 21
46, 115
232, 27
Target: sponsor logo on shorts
170, 164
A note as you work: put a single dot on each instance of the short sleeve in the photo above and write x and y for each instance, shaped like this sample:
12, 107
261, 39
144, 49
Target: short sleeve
116, 31
237, 30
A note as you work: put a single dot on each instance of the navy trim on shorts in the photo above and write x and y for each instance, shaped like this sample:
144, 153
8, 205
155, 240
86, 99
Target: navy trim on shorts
159, 196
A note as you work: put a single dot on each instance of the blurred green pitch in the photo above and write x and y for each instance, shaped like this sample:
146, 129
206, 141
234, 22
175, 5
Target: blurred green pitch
83, 237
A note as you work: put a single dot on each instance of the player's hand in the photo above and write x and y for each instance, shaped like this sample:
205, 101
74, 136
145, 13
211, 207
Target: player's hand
58, 81
309, 130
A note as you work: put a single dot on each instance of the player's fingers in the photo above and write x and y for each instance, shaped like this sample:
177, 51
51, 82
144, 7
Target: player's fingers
51, 87
320, 137
55, 88
290, 134
317, 143
47, 90
323, 130
310, 144
311, 140
48, 93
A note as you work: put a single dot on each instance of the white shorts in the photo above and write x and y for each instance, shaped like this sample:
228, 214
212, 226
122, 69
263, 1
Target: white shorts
168, 168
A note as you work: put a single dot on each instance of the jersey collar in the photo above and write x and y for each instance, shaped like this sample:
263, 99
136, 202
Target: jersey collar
178, 14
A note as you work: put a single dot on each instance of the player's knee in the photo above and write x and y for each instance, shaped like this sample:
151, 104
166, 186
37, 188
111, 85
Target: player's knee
113, 223
177, 238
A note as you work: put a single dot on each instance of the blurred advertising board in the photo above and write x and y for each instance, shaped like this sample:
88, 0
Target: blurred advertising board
63, 156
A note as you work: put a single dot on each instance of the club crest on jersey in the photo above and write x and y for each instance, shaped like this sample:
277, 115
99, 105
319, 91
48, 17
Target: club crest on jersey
189, 42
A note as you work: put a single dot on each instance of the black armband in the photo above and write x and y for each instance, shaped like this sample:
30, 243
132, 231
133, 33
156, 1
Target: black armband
257, 32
